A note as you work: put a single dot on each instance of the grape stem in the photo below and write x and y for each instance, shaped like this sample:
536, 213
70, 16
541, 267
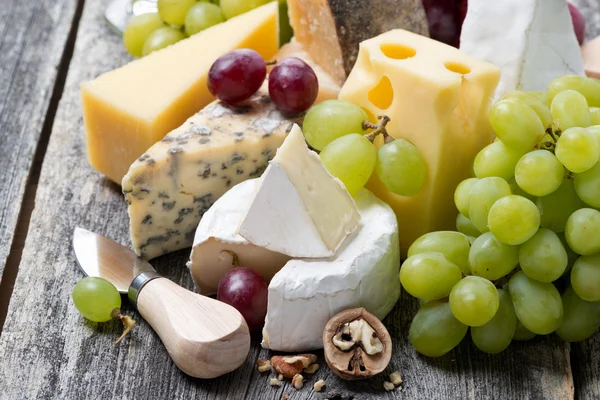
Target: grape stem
128, 323
380, 128
269, 63
235, 259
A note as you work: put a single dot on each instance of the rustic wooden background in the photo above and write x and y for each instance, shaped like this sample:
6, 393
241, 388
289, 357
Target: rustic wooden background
47, 351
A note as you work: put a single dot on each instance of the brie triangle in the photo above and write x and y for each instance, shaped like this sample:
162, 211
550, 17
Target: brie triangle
299, 209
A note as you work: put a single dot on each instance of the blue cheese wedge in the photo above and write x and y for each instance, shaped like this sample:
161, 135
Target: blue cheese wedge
174, 183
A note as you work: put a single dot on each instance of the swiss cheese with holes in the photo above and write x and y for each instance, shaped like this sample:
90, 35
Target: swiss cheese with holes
438, 99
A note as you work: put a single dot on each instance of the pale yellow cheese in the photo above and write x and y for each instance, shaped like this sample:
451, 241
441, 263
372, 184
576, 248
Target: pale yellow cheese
129, 109
438, 99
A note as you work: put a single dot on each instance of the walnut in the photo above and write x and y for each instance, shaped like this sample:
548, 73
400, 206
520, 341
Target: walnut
319, 385
298, 381
388, 386
274, 382
357, 345
263, 365
288, 366
311, 369
396, 378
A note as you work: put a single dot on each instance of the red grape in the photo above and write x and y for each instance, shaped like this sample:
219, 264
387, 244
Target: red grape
246, 290
443, 18
578, 23
293, 86
464, 7
237, 75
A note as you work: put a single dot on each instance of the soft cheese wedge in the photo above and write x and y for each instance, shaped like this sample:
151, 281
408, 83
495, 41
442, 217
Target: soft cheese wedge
299, 208
171, 185
532, 41
438, 99
127, 110
303, 293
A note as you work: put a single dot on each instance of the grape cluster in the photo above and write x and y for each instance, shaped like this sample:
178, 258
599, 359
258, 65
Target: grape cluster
526, 258
337, 129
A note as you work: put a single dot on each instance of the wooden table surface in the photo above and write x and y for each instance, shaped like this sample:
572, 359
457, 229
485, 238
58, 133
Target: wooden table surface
48, 351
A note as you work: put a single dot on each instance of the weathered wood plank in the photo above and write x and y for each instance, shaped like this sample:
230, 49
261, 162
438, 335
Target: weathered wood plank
32, 41
48, 351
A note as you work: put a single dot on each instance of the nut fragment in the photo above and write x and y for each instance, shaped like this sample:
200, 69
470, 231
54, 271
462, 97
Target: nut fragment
274, 382
280, 377
263, 365
298, 381
357, 345
388, 386
311, 369
285, 397
319, 385
288, 366
396, 378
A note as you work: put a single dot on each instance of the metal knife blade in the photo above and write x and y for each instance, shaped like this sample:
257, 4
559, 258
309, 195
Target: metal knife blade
99, 256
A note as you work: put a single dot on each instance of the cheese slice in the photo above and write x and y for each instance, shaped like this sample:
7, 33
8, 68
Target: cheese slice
438, 99
331, 30
590, 52
532, 41
127, 110
299, 208
169, 187
303, 293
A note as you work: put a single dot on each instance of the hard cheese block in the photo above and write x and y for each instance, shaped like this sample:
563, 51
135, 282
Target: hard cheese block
169, 187
591, 57
129, 109
532, 41
299, 208
303, 293
331, 30
438, 99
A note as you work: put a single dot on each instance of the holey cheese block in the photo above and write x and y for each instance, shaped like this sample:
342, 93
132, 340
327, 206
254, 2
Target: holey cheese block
299, 208
303, 293
169, 187
532, 41
438, 99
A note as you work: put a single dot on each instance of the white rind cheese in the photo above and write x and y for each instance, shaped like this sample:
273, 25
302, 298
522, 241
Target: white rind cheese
299, 208
171, 186
532, 41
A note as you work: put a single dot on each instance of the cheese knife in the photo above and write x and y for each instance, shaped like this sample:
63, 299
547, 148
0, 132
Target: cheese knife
205, 337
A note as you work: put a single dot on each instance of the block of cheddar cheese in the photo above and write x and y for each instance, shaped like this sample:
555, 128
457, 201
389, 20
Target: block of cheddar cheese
590, 52
331, 30
438, 99
129, 109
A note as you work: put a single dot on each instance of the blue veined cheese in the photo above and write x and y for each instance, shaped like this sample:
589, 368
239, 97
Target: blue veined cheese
171, 186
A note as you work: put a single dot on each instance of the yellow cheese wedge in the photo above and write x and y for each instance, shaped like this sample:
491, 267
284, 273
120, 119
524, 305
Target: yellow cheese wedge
438, 99
129, 109
328, 87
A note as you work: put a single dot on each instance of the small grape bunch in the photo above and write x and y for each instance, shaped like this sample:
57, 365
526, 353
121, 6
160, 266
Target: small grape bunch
98, 300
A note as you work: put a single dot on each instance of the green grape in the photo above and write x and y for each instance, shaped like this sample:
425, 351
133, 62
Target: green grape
462, 195
496, 160
595, 113
585, 277
538, 305
161, 38
474, 301
202, 16
96, 298
577, 149
516, 124
495, 336
351, 159
571, 110
571, 255
535, 100
484, 194
330, 120
587, 185
583, 231
581, 319
173, 11
543, 257
589, 88
233, 8
492, 259
595, 130
453, 245
516, 189
556, 207
540, 96
465, 226
434, 331
539, 173
137, 31
513, 219
401, 167
429, 276
522, 333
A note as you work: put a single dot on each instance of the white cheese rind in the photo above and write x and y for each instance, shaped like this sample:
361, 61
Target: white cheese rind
532, 41
299, 209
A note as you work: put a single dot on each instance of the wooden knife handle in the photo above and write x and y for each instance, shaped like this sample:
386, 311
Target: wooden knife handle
205, 337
